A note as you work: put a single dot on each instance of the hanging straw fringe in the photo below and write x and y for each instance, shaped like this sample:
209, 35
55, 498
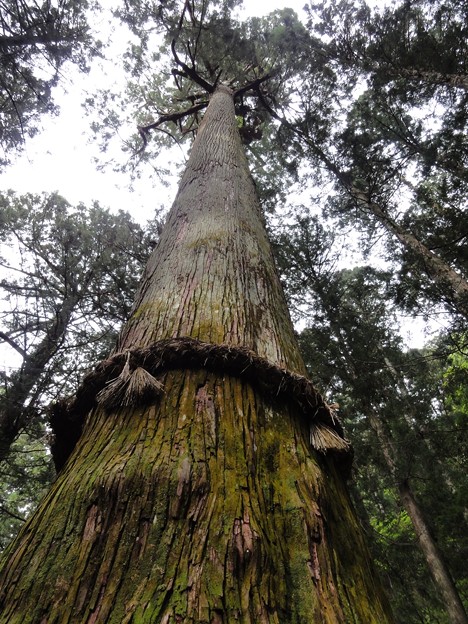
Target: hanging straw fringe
142, 388
136, 388
324, 439
114, 384
114, 391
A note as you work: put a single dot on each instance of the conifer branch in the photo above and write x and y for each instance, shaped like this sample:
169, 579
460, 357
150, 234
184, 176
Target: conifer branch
13, 344
190, 72
176, 116
254, 85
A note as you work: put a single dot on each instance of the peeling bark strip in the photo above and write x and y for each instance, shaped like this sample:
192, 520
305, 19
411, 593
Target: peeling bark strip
110, 385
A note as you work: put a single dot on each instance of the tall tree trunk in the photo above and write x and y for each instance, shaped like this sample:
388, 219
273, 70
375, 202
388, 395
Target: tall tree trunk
453, 283
210, 504
438, 270
410, 417
14, 411
427, 76
434, 557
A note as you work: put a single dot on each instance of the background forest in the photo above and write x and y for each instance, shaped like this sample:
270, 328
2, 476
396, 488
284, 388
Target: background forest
355, 125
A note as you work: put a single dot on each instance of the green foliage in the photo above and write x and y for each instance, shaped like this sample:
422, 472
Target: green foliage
35, 41
68, 277
76, 262
67, 282
179, 52
25, 476
395, 138
456, 382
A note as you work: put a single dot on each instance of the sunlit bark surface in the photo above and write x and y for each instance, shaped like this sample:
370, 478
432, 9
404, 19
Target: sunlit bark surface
210, 505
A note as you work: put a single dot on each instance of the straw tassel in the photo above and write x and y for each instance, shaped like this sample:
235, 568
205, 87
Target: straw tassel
130, 388
141, 388
325, 439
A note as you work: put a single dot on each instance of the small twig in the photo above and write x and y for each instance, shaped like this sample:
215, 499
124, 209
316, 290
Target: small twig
11, 514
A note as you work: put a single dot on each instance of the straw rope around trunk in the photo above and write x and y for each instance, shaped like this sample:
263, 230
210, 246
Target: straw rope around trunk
129, 378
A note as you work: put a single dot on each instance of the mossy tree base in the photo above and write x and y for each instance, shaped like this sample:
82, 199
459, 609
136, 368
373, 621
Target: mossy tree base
206, 507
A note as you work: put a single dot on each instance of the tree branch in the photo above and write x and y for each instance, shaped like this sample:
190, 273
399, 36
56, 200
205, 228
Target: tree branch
11, 514
440, 272
13, 344
191, 73
144, 130
30, 40
253, 86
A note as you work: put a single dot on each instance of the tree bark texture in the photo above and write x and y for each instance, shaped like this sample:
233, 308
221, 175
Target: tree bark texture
210, 504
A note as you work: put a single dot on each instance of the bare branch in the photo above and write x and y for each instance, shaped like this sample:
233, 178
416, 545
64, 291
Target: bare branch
253, 86
11, 514
191, 73
145, 130
13, 344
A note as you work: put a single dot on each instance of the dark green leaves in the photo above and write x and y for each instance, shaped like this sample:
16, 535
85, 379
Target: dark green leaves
35, 42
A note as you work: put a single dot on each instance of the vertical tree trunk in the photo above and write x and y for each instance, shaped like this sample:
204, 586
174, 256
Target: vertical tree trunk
14, 413
434, 557
411, 419
210, 504
442, 274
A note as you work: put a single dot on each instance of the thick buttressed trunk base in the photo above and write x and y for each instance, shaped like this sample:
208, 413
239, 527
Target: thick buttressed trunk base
208, 507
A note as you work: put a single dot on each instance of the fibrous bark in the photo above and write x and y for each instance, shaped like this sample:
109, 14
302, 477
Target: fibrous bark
210, 504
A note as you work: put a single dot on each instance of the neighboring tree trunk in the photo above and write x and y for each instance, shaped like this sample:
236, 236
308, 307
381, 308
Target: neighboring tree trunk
209, 505
431, 77
437, 269
411, 420
453, 283
434, 558
14, 411
433, 555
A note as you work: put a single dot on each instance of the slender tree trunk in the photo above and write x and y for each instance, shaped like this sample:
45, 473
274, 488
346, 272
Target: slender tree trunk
434, 557
210, 504
14, 412
431, 77
410, 419
442, 274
